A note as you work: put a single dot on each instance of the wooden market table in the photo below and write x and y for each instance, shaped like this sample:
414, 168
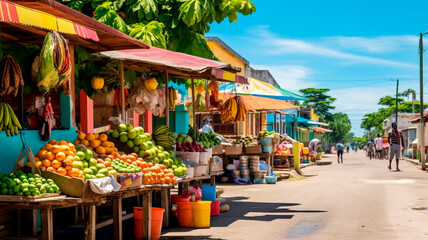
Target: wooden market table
285, 160
46, 206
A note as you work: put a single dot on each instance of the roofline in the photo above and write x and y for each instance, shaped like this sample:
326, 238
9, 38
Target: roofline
227, 47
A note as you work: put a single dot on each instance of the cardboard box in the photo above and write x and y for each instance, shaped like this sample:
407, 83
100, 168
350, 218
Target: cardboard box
128, 180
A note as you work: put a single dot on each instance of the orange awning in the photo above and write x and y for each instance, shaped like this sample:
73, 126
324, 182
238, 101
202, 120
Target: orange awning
320, 129
261, 103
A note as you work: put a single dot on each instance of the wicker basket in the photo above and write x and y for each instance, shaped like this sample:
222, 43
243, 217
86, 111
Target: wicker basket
253, 149
233, 150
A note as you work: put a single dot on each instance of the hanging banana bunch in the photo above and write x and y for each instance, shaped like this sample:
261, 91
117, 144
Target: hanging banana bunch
10, 76
8, 120
172, 98
242, 110
233, 110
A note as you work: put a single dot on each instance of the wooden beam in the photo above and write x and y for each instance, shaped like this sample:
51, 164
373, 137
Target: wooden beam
122, 89
72, 87
194, 110
166, 98
147, 214
86, 113
166, 204
91, 224
117, 217
148, 122
47, 224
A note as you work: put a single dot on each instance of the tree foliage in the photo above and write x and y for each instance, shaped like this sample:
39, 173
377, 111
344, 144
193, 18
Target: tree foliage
177, 25
319, 101
340, 125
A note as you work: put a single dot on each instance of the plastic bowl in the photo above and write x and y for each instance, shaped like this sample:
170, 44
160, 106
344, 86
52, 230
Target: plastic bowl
258, 181
271, 179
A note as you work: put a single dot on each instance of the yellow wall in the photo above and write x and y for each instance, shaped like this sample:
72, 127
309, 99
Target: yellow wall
225, 56
314, 117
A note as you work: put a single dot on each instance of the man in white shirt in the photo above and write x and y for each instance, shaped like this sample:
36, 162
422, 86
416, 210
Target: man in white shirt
378, 142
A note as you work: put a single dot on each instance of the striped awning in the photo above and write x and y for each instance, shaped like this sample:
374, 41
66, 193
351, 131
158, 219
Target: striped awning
17, 14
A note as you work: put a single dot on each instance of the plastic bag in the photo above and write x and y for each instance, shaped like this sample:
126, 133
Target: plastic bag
104, 185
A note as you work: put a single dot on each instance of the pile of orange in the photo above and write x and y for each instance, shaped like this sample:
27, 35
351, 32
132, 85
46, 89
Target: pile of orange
153, 174
96, 142
58, 156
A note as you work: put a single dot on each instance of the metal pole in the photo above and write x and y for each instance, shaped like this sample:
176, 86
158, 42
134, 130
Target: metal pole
194, 110
166, 98
122, 91
396, 103
421, 80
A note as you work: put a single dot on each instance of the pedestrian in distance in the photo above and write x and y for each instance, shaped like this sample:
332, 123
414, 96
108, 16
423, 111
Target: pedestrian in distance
347, 147
378, 143
339, 148
370, 149
396, 141
314, 144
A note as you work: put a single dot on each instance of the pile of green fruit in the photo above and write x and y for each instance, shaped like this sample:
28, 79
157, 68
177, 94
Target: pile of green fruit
208, 140
134, 138
183, 139
265, 133
122, 167
162, 137
91, 167
246, 141
178, 167
26, 184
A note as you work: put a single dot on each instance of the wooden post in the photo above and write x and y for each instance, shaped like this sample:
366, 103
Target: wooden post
47, 224
86, 113
166, 98
165, 204
194, 110
91, 224
148, 122
72, 87
147, 214
117, 217
34, 216
122, 90
136, 119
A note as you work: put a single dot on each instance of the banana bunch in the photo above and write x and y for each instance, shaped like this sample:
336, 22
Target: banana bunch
8, 120
172, 98
233, 110
109, 73
162, 137
229, 110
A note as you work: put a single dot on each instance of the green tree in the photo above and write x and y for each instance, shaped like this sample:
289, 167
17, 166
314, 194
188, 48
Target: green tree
177, 25
340, 125
319, 101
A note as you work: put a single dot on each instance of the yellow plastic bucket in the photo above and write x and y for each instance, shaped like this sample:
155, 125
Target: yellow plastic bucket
201, 214
305, 150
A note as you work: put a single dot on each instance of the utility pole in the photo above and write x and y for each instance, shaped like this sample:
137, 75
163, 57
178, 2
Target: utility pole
421, 80
396, 103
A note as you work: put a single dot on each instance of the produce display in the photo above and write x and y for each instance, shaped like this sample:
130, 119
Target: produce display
134, 138
190, 147
117, 96
120, 166
283, 149
26, 184
172, 98
97, 82
8, 120
11, 76
233, 110
246, 140
96, 142
158, 174
265, 133
162, 137
59, 157
90, 167
209, 140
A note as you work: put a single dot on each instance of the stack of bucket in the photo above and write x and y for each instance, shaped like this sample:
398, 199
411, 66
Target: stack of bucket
266, 144
254, 164
156, 224
243, 166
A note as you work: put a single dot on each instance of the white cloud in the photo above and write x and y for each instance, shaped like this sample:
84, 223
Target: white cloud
289, 77
318, 47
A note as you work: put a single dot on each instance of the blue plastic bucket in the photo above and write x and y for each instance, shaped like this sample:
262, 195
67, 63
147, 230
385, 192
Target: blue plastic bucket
266, 140
208, 193
267, 149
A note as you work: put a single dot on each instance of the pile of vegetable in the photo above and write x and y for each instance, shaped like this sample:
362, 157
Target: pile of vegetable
265, 133
190, 147
209, 140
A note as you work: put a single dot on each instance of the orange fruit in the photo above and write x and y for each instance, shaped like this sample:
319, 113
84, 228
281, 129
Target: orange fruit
85, 142
63, 142
103, 137
168, 180
61, 171
146, 181
28, 164
48, 147
51, 169
67, 164
90, 148
90, 137
106, 144
162, 181
60, 156
41, 154
81, 136
46, 163
74, 172
37, 158
71, 146
53, 142
50, 156
56, 149
71, 153
39, 163
96, 135
112, 145
94, 144
56, 163
108, 150
65, 149
43, 168
77, 142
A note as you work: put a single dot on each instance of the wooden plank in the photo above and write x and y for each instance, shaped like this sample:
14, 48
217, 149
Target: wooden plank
122, 90
110, 221
72, 87
147, 214
117, 217
148, 122
166, 98
47, 224
86, 113
34, 217
90, 230
38, 198
166, 204
194, 110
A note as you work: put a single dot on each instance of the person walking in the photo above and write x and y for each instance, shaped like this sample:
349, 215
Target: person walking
370, 148
339, 148
378, 142
347, 147
395, 140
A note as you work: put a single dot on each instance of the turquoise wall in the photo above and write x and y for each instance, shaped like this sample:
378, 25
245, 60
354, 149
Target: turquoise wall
11, 146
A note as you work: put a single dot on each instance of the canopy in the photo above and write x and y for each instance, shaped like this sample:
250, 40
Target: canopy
322, 130
258, 88
417, 117
261, 103
290, 118
178, 64
19, 17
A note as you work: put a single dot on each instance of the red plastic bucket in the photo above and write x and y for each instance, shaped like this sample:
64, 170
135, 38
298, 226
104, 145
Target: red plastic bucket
179, 198
184, 214
215, 208
156, 224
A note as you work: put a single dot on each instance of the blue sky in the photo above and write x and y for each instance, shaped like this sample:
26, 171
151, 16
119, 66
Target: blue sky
355, 48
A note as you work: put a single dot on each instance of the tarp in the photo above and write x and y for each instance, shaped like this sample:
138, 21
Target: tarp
256, 87
260, 103
181, 61
14, 13
290, 118
322, 130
